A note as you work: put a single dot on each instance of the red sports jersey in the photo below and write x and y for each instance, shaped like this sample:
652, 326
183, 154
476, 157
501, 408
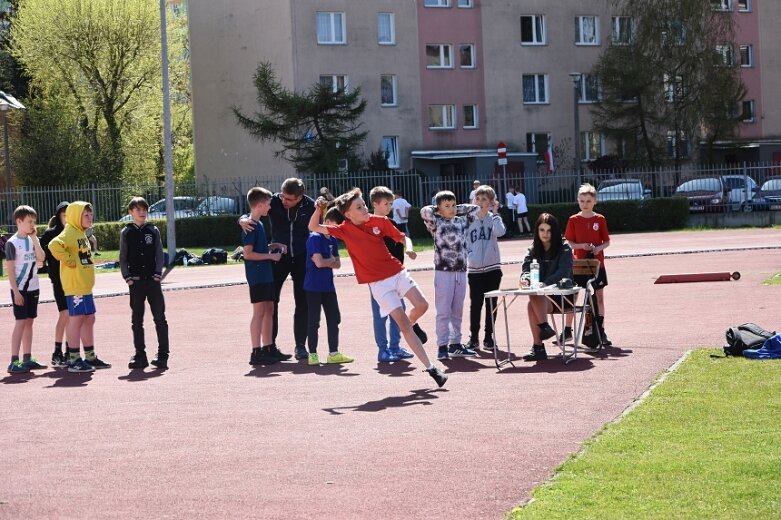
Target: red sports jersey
371, 259
592, 230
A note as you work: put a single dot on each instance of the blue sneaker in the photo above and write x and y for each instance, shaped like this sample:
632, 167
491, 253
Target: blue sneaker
79, 365
16, 367
32, 364
402, 353
386, 356
442, 353
459, 350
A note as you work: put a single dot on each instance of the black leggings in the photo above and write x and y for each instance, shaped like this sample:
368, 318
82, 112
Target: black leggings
330, 305
479, 284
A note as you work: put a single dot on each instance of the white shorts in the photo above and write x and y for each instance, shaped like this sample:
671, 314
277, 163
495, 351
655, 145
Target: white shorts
389, 292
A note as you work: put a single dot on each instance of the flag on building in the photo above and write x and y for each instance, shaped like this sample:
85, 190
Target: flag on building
549, 159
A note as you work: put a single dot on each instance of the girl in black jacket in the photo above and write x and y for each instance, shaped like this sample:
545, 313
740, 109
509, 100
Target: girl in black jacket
56, 225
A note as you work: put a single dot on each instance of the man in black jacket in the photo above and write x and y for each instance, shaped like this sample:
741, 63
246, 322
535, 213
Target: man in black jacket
289, 218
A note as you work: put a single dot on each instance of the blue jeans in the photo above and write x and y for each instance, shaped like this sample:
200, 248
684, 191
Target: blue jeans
380, 333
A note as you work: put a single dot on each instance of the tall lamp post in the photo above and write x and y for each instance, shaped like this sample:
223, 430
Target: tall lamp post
8, 102
576, 78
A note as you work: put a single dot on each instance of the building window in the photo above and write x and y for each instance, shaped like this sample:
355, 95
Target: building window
592, 146
465, 3
726, 54
535, 88
746, 56
674, 89
744, 5
436, 3
721, 5
673, 32
587, 30
749, 111
677, 147
470, 116
439, 56
623, 30
386, 29
390, 145
467, 55
588, 89
388, 90
537, 143
532, 29
334, 82
330, 28
442, 117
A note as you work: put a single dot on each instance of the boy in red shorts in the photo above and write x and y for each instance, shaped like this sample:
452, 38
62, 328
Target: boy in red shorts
389, 282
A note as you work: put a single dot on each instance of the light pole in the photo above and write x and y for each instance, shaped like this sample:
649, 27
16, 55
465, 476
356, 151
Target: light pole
576, 78
170, 209
8, 102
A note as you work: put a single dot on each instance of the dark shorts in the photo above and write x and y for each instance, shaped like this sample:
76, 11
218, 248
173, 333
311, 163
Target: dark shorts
262, 292
29, 309
599, 284
522, 215
80, 305
59, 297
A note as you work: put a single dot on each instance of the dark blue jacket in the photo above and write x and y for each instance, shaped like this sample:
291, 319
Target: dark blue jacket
293, 222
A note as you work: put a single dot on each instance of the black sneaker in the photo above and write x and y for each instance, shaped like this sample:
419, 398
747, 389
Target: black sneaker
58, 359
488, 344
160, 362
566, 335
264, 357
473, 344
138, 361
537, 353
458, 350
546, 331
438, 376
442, 353
420, 333
301, 353
274, 351
98, 364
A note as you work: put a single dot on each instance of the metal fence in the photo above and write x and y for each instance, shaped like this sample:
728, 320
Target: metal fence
110, 202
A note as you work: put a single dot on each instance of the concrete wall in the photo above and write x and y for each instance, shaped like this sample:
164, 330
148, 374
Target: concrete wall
769, 12
735, 219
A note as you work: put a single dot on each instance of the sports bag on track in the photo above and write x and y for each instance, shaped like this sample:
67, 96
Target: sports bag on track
746, 336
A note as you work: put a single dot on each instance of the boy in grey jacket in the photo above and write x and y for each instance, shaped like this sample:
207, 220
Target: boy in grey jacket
484, 264
447, 223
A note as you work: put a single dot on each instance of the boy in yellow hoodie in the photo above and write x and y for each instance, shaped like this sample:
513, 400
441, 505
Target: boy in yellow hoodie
77, 272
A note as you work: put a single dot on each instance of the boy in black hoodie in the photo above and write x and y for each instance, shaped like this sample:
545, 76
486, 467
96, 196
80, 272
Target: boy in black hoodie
141, 263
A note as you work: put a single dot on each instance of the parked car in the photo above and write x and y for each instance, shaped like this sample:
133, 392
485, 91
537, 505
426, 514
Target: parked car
706, 194
740, 191
217, 206
184, 207
622, 189
769, 195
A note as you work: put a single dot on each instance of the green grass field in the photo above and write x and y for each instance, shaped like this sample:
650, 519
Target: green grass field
705, 444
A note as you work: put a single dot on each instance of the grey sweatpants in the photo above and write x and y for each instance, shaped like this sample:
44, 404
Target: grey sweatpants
449, 295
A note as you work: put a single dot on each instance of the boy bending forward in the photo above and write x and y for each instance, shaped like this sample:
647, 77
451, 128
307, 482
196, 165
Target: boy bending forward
388, 281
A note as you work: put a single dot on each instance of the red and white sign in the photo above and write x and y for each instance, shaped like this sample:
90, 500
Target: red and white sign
501, 151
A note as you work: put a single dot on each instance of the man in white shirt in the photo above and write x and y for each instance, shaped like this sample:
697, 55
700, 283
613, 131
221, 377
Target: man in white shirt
475, 185
522, 213
510, 204
400, 209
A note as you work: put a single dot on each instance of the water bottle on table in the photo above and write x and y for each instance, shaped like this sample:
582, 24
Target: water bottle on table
534, 279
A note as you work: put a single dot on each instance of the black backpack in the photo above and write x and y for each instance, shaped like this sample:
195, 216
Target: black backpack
743, 337
214, 255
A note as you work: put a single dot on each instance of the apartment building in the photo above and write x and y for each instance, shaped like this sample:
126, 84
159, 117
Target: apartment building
445, 80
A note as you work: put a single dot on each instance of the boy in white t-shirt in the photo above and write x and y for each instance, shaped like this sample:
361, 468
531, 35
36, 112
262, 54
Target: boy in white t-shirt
400, 208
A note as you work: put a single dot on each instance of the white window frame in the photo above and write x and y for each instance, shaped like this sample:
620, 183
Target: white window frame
744, 6
752, 112
537, 39
580, 33
721, 5
436, 3
390, 145
332, 28
538, 99
445, 58
466, 4
472, 54
475, 117
749, 52
673, 144
673, 87
678, 30
447, 114
727, 54
583, 90
334, 81
394, 90
392, 23
617, 37
586, 139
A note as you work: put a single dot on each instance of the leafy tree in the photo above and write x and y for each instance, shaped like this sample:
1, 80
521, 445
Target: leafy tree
316, 129
12, 77
669, 82
378, 161
102, 57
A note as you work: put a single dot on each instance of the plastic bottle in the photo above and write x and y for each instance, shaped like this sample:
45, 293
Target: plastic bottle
535, 275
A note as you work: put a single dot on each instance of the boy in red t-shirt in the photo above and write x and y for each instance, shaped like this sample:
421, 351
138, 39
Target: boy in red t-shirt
587, 235
389, 282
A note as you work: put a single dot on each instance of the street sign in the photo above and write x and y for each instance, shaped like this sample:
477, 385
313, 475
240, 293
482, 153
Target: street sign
501, 151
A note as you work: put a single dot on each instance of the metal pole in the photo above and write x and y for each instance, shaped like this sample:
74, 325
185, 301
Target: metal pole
504, 175
576, 80
7, 158
170, 209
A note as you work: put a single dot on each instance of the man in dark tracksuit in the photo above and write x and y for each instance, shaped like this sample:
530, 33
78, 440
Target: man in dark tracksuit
289, 218
141, 262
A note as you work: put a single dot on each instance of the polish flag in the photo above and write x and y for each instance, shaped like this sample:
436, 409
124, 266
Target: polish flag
549, 160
